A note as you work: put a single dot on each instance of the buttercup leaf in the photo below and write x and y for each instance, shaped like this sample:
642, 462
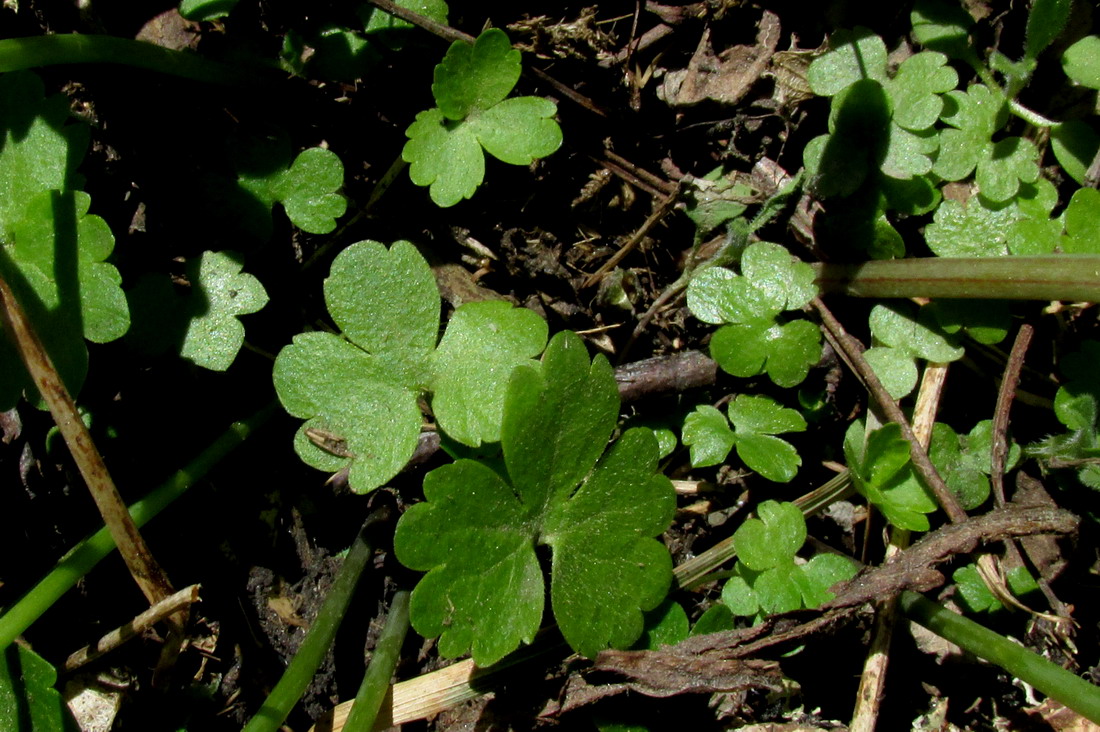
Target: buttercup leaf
476, 77
476, 533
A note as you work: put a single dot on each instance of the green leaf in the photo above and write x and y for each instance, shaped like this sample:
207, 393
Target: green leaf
476, 533
916, 88
837, 164
896, 326
970, 230
1083, 223
1081, 62
445, 143
973, 590
220, 293
738, 595
1001, 167
773, 539
942, 26
819, 574
360, 395
475, 77
483, 343
756, 342
378, 21
707, 433
205, 10
1045, 22
39, 151
715, 200
896, 369
717, 617
28, 700
307, 189
881, 471
853, 55
756, 419
1075, 144
665, 625
986, 322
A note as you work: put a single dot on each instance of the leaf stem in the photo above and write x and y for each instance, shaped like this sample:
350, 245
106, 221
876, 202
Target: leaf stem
76, 48
84, 556
1071, 277
376, 682
1054, 681
321, 633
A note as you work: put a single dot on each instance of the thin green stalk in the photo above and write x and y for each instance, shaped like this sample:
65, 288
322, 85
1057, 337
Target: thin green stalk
1071, 277
1054, 681
376, 682
74, 48
85, 555
316, 644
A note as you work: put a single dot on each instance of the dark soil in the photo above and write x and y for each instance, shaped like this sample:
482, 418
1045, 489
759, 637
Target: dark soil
263, 532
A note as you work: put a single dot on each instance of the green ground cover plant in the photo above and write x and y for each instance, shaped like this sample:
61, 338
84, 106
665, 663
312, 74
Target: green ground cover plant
548, 485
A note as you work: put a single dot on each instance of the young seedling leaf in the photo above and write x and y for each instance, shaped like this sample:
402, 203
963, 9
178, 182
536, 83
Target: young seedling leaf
756, 421
1001, 166
1081, 62
360, 392
757, 341
220, 294
902, 338
445, 143
203, 324
986, 322
767, 579
307, 189
707, 433
665, 625
881, 471
475, 534
917, 87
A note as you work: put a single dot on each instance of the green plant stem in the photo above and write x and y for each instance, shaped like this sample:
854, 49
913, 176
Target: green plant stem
85, 555
1054, 681
1071, 277
74, 48
317, 641
376, 682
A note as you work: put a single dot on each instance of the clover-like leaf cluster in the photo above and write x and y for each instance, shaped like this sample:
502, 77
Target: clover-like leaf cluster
756, 420
203, 326
901, 336
767, 580
881, 470
359, 391
964, 461
756, 337
472, 113
477, 532
53, 253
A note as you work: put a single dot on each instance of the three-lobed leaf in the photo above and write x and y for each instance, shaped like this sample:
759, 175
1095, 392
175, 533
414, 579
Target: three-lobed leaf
756, 420
308, 188
359, 393
755, 340
445, 143
476, 533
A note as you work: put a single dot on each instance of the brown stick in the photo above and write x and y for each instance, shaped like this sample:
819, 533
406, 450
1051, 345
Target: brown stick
149, 575
1009, 382
156, 613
